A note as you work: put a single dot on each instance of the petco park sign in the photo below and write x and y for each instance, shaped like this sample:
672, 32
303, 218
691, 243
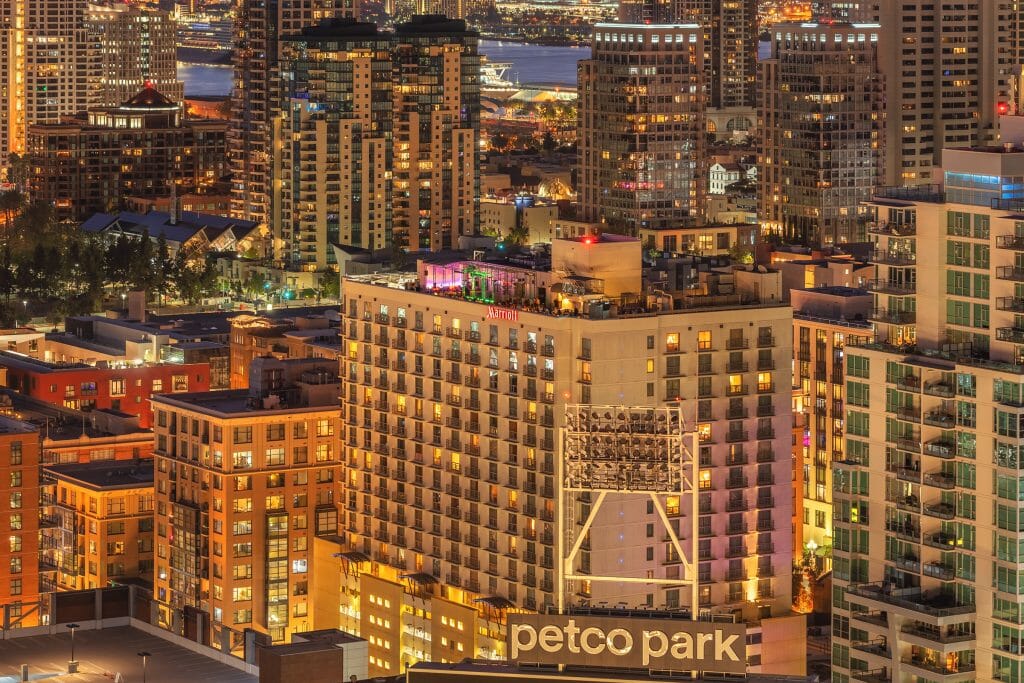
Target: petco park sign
627, 643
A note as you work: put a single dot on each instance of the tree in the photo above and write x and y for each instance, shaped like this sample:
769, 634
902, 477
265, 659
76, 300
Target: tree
548, 142
18, 170
193, 281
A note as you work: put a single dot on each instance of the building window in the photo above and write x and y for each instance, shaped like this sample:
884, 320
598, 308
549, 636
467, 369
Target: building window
117, 386
324, 427
243, 435
704, 340
241, 459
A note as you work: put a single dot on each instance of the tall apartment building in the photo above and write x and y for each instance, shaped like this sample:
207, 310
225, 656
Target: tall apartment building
855, 11
947, 69
927, 502
244, 480
137, 47
822, 127
259, 27
332, 157
436, 132
825, 320
456, 385
730, 49
642, 126
20, 521
102, 523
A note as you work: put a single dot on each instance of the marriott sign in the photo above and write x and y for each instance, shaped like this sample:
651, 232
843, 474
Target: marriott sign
627, 643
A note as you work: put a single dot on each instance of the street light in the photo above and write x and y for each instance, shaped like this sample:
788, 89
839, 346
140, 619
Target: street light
123, 297
145, 657
72, 663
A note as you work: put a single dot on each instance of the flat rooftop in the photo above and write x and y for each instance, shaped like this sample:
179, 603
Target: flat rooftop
103, 654
107, 474
232, 403
57, 423
473, 671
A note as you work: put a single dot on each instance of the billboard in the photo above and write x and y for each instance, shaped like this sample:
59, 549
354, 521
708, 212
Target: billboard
627, 643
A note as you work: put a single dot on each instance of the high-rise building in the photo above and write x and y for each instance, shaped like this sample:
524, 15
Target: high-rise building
51, 66
332, 157
138, 47
854, 11
730, 49
244, 479
454, 399
259, 27
948, 86
92, 162
927, 508
822, 129
20, 520
642, 126
825, 320
436, 132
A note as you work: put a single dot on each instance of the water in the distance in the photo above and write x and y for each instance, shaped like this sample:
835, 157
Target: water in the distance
539, 64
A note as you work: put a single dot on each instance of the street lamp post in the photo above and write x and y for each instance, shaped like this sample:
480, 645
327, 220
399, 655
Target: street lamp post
145, 658
72, 663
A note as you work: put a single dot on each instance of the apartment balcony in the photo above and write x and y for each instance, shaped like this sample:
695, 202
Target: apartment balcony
892, 229
736, 435
736, 505
941, 541
765, 340
1011, 242
736, 390
1014, 335
940, 510
736, 483
940, 480
940, 418
930, 607
736, 551
891, 317
737, 366
890, 287
881, 675
1013, 304
910, 474
908, 504
1011, 273
938, 570
880, 619
940, 389
877, 647
940, 448
736, 344
936, 638
893, 258
908, 413
904, 530
908, 383
937, 671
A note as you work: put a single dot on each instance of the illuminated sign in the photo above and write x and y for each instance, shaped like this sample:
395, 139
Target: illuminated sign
499, 313
623, 643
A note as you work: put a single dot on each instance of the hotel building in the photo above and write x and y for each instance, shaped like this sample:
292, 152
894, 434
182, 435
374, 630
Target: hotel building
457, 381
642, 126
927, 497
244, 480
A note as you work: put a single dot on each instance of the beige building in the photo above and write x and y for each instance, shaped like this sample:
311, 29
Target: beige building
457, 382
706, 240
244, 480
926, 501
524, 216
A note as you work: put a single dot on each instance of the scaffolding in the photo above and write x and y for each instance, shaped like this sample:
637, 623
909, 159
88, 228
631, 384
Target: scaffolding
642, 451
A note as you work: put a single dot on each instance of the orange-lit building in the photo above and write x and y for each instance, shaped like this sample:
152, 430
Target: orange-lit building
254, 336
100, 526
19, 524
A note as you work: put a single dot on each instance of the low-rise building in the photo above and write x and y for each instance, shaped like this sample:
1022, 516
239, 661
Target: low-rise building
20, 521
99, 523
706, 240
257, 336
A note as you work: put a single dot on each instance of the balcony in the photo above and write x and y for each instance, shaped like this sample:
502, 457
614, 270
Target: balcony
891, 317
904, 530
941, 389
1010, 273
737, 366
877, 647
881, 675
735, 435
1012, 242
941, 448
938, 570
940, 510
734, 344
890, 287
941, 541
940, 480
910, 474
932, 668
939, 418
893, 258
736, 390
1014, 335
908, 413
931, 605
874, 618
908, 383
937, 636
736, 483
1014, 304
892, 229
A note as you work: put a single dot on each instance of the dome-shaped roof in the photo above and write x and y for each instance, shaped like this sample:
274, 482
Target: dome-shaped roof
150, 99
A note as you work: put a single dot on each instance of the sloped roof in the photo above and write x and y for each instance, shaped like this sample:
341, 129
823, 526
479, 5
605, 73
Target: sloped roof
158, 223
150, 98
